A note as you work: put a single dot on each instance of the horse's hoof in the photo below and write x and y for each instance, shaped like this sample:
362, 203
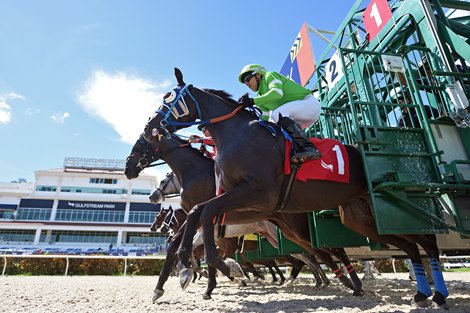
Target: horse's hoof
439, 301
282, 282
243, 284
206, 297
185, 277
289, 282
358, 293
420, 304
204, 274
235, 269
157, 294
420, 300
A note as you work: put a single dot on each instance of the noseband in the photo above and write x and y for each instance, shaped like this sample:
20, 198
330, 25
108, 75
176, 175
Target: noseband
162, 190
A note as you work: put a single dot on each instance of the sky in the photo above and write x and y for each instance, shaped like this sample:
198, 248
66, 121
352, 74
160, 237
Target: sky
80, 78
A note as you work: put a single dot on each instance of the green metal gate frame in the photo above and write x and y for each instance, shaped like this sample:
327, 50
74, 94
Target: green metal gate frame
406, 179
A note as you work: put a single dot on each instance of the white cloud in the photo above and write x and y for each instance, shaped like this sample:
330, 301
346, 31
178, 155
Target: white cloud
5, 109
31, 111
60, 118
5, 112
123, 101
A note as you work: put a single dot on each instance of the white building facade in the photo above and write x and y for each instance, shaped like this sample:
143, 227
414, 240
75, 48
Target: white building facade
88, 204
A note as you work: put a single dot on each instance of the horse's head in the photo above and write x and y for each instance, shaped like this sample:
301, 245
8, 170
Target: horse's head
175, 109
142, 155
170, 223
169, 187
159, 218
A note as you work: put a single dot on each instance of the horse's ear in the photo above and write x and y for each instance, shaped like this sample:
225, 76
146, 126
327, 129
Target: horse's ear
179, 77
190, 87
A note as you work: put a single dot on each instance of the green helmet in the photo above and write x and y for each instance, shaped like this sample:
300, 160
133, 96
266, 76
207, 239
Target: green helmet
251, 68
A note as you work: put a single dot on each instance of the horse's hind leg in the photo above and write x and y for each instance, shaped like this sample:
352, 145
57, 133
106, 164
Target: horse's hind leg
279, 272
429, 244
271, 271
328, 260
311, 261
341, 255
357, 215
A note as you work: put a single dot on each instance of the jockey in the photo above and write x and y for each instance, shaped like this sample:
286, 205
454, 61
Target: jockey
291, 106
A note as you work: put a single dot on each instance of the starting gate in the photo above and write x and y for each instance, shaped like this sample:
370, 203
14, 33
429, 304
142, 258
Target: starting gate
390, 60
395, 82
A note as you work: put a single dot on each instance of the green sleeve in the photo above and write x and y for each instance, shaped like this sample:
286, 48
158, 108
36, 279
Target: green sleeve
269, 100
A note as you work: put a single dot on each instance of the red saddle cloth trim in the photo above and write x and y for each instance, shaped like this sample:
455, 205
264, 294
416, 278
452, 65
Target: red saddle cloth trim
333, 164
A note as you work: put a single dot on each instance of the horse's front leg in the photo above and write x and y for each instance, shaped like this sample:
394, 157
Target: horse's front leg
167, 266
241, 196
186, 248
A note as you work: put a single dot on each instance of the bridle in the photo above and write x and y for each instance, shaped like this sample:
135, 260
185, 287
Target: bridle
171, 221
170, 179
176, 106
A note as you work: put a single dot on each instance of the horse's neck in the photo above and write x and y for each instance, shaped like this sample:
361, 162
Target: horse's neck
186, 163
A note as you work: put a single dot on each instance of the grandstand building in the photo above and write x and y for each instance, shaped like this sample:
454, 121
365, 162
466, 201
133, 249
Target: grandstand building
87, 205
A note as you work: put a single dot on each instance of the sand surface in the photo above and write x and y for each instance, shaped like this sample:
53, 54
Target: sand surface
387, 293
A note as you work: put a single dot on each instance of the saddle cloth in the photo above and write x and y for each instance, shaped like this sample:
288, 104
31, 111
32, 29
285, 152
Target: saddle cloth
333, 164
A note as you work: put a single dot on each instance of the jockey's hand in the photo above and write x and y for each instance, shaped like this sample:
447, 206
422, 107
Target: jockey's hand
246, 101
194, 139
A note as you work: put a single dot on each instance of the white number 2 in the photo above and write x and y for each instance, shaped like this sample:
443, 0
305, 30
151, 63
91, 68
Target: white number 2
339, 159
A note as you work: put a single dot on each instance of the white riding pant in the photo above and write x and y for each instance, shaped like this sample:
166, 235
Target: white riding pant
304, 112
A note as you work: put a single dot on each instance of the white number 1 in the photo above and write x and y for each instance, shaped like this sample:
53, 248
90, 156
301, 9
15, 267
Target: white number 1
339, 159
374, 13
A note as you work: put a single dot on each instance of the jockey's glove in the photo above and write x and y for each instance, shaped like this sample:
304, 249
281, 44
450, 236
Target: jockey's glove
246, 101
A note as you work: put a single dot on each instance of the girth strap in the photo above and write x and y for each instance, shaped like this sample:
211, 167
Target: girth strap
286, 188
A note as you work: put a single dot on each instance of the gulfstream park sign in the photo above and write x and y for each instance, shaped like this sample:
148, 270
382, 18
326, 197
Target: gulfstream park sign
115, 206
92, 205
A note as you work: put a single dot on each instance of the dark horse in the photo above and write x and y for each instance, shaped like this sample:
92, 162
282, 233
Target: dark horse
250, 160
190, 163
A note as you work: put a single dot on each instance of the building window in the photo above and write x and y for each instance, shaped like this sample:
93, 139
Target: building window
83, 236
143, 192
17, 235
90, 216
145, 238
103, 181
141, 217
46, 188
33, 214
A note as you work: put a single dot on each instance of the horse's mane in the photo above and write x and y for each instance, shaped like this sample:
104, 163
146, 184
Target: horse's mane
222, 94
227, 97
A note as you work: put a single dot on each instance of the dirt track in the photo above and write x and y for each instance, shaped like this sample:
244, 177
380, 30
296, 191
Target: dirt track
388, 293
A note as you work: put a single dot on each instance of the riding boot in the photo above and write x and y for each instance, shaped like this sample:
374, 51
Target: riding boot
304, 149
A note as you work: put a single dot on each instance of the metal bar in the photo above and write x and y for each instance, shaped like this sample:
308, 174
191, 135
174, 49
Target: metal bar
427, 214
4, 265
125, 267
66, 266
